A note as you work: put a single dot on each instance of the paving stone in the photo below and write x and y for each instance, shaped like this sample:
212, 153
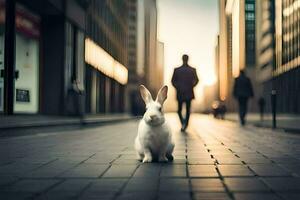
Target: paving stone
179, 161
173, 170
269, 170
201, 161
97, 195
283, 183
174, 196
202, 171
17, 169
148, 170
285, 160
256, 196
292, 168
245, 184
71, 185
15, 195
207, 185
137, 195
229, 161
120, 171
33, 186
256, 160
142, 184
211, 196
6, 180
35, 160
174, 185
50, 170
57, 196
85, 171
126, 161
234, 170
290, 196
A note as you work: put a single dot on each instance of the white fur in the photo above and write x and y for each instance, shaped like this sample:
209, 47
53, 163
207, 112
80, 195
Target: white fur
154, 138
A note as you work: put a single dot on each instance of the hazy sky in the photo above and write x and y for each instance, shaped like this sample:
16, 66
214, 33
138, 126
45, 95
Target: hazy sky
191, 27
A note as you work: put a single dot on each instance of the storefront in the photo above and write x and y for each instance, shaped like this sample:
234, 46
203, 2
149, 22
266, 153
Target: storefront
27, 61
26, 80
41, 56
105, 80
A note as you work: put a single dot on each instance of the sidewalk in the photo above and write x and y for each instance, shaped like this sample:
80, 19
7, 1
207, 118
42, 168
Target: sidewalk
20, 123
215, 159
289, 123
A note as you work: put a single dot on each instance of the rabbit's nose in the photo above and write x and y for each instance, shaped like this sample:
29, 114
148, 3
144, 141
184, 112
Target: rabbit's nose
153, 117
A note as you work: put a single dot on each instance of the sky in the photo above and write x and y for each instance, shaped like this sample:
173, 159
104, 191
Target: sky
188, 27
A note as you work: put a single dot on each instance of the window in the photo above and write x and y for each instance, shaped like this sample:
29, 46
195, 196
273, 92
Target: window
249, 7
250, 26
250, 36
250, 16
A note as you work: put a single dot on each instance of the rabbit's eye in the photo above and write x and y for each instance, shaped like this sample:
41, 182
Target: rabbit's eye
160, 109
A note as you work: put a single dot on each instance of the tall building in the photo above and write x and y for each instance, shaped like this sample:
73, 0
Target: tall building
151, 45
237, 46
279, 71
265, 44
134, 79
143, 63
286, 73
147, 44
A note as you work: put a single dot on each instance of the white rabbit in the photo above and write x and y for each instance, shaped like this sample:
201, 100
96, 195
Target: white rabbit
154, 138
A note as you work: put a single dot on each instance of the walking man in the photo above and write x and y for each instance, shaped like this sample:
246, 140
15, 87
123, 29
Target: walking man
184, 80
242, 91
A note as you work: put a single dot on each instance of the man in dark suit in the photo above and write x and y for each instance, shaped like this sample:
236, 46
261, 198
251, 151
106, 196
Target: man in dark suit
242, 91
184, 80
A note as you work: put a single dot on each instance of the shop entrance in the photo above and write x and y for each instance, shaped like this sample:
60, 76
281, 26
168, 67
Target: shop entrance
27, 75
26, 93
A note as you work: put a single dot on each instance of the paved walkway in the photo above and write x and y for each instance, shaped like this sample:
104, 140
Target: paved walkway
214, 160
290, 123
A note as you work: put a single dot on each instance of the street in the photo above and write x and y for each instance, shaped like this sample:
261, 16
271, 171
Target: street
213, 160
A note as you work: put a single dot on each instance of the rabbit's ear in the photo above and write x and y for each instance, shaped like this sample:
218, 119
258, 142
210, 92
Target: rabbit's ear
146, 95
162, 95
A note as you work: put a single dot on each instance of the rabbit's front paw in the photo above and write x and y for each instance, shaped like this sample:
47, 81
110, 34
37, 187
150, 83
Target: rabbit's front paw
147, 159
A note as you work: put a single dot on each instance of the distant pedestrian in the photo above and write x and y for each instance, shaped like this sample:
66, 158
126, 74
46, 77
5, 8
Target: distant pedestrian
242, 91
261, 104
184, 80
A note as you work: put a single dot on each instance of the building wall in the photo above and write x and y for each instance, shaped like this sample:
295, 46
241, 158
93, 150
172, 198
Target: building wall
287, 69
151, 45
141, 43
264, 39
223, 49
160, 65
107, 28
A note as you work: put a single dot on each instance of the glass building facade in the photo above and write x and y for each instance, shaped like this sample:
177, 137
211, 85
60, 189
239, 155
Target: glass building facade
288, 35
250, 32
287, 69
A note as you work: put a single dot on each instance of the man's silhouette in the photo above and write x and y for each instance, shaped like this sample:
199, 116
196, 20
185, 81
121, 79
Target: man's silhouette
184, 80
242, 91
